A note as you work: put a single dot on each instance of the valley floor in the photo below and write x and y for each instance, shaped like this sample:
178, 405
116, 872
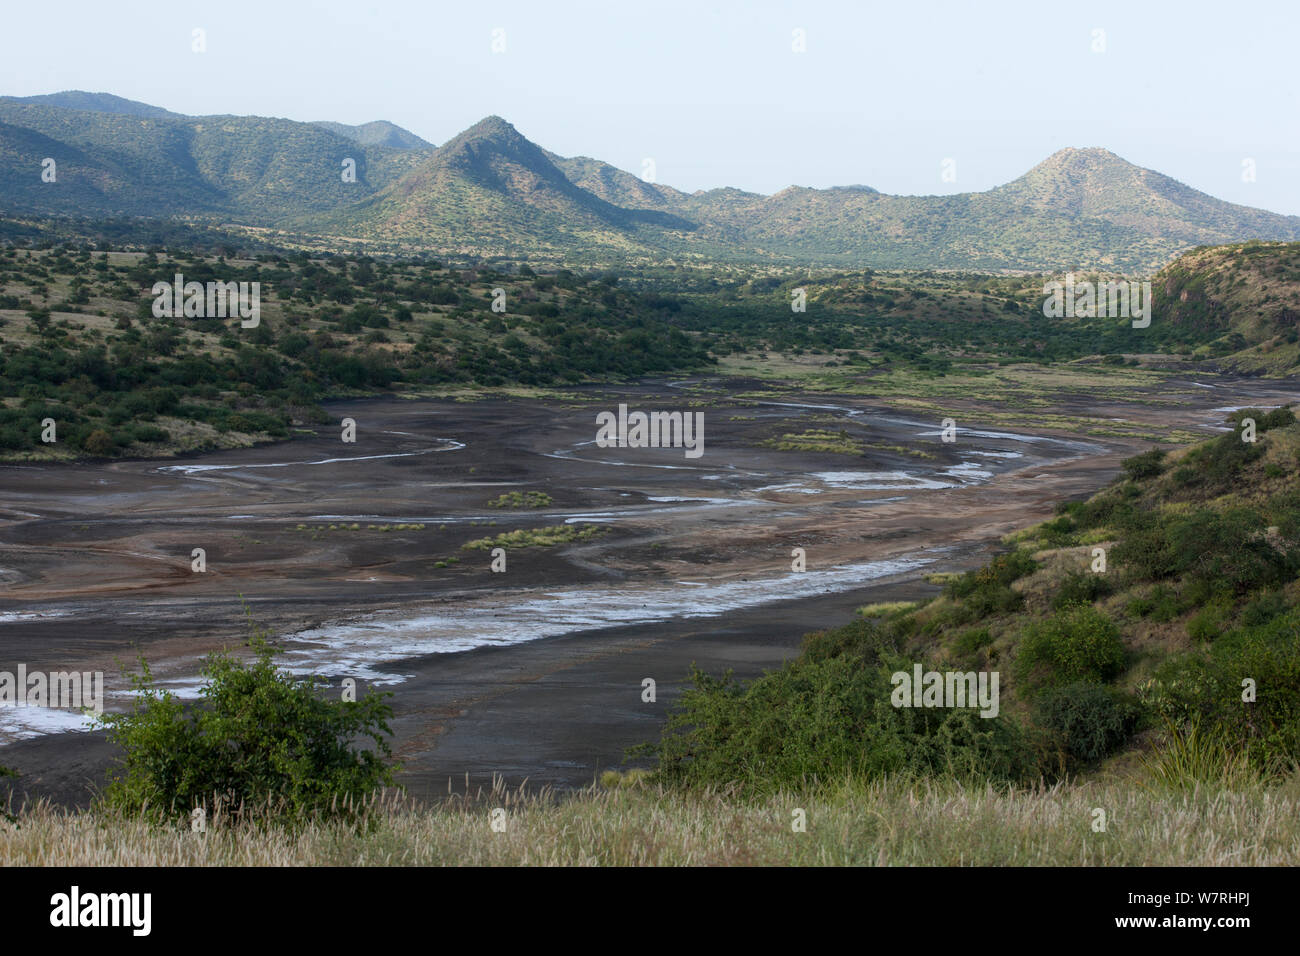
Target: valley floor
337, 553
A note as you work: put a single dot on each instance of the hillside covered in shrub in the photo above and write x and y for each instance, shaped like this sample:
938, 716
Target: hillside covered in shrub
1153, 629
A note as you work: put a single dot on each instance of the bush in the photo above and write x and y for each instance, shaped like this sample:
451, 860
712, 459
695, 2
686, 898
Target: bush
826, 715
99, 443
1208, 623
1146, 465
1209, 687
1059, 530
1076, 644
1080, 587
987, 590
1087, 721
969, 643
1215, 466
1229, 550
260, 743
1263, 609
1001, 571
1264, 421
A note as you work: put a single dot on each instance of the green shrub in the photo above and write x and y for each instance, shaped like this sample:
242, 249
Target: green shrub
1146, 465
987, 590
1087, 721
1076, 644
1228, 549
1208, 623
970, 643
1264, 421
862, 638
826, 715
1002, 570
1210, 686
1059, 530
260, 743
1140, 606
1215, 466
1263, 609
1165, 604
1080, 587
1144, 553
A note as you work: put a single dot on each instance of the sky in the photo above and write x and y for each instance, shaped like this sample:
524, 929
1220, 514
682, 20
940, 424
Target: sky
909, 98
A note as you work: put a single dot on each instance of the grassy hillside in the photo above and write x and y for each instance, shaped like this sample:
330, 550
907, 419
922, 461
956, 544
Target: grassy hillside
79, 343
1242, 302
1177, 659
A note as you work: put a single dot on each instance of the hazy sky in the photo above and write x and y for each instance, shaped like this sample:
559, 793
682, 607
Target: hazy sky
714, 93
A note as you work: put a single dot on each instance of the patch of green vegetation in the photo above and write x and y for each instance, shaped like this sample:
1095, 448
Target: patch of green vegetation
1079, 643
521, 499
319, 529
817, 440
260, 744
127, 382
79, 344
538, 537
824, 717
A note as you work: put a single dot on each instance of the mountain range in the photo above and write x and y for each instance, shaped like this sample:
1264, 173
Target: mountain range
490, 191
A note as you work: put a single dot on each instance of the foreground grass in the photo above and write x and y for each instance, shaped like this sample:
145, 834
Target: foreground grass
886, 823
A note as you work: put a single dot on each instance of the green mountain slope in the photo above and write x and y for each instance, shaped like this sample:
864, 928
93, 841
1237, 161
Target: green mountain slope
84, 180
617, 186
491, 191
1079, 208
260, 170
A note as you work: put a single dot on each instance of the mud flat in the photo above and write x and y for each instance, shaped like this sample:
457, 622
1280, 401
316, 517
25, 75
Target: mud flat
351, 555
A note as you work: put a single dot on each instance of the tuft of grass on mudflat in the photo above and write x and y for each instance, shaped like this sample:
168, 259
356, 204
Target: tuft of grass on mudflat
882, 823
537, 537
520, 499
886, 608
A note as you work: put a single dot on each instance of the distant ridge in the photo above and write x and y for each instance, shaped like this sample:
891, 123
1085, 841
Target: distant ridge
491, 191
378, 133
96, 102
